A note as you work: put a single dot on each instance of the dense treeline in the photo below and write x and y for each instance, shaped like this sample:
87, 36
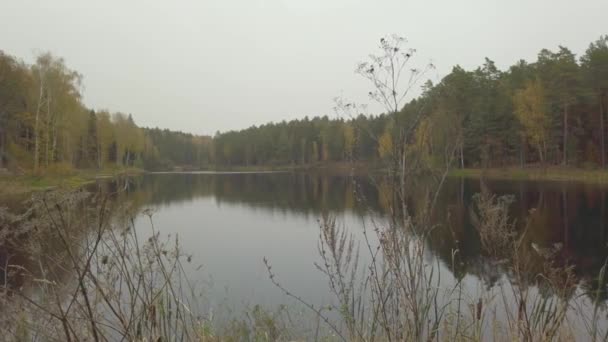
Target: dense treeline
178, 149
44, 126
551, 111
295, 142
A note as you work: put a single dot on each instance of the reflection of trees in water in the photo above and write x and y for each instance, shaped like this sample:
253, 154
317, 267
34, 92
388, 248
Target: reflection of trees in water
83, 271
30, 246
568, 214
294, 192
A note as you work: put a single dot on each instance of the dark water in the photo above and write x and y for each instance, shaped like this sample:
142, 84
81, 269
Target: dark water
230, 222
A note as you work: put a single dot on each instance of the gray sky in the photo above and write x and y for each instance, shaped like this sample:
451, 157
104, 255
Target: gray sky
206, 65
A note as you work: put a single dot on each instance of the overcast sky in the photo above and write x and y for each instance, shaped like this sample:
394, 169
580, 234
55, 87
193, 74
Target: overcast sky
206, 65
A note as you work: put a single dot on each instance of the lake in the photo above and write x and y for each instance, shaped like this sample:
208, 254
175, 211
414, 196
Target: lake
230, 222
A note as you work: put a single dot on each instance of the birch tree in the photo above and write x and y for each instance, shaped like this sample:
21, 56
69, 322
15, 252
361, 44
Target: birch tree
531, 111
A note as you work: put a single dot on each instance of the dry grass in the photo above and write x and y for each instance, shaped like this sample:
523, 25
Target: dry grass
92, 276
398, 293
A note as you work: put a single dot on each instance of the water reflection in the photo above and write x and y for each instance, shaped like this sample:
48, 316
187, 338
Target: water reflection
230, 222
568, 214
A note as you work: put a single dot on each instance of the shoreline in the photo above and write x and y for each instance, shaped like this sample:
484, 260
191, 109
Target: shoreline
556, 174
27, 183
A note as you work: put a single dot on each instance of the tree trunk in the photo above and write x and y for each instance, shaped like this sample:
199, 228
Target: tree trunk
68, 150
541, 153
565, 217
461, 191
54, 148
36, 126
47, 134
603, 148
602, 221
1, 148
521, 153
545, 152
461, 155
565, 160
99, 156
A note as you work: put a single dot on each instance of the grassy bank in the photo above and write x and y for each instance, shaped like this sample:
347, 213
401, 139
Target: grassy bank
554, 173
250, 168
330, 167
28, 182
560, 174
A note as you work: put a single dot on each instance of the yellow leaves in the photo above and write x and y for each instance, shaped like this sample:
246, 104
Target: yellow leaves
424, 139
423, 135
349, 139
385, 144
128, 135
531, 111
227, 152
436, 137
315, 152
324, 151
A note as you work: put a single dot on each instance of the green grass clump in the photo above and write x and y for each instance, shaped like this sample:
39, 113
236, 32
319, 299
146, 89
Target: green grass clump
55, 178
561, 174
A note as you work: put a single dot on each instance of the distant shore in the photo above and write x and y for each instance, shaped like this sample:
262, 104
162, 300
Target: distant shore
334, 167
29, 182
552, 173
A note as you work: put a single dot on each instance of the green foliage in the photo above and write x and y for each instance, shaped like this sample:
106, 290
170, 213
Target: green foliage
531, 111
474, 110
43, 122
44, 126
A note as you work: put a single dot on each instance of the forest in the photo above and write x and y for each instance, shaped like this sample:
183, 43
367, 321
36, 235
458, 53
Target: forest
547, 112
45, 127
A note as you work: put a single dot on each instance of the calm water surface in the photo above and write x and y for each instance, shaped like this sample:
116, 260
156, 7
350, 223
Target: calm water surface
230, 222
